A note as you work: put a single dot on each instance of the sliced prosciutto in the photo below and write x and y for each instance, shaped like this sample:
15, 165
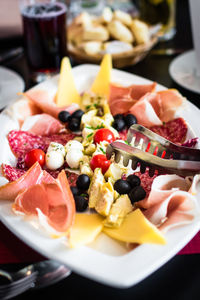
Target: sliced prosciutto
21, 109
148, 110
42, 124
34, 175
156, 108
123, 98
43, 100
171, 100
22, 141
54, 200
169, 203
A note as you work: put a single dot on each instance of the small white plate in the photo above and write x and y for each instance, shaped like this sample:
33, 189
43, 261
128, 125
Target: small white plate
10, 84
104, 260
183, 70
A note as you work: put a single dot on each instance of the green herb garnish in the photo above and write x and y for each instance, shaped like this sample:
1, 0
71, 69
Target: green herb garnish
89, 135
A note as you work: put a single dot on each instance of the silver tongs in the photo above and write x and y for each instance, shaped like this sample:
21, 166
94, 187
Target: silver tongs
153, 152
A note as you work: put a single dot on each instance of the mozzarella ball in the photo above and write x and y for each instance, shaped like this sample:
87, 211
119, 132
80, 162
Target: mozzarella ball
53, 146
73, 158
73, 145
54, 160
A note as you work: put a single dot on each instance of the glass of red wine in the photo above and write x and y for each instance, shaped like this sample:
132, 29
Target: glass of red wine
44, 28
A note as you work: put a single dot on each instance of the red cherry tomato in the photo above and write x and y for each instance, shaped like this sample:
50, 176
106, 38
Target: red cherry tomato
100, 161
104, 134
35, 155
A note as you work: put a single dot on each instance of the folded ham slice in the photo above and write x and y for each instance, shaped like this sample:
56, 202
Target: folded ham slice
123, 98
156, 108
148, 110
170, 202
43, 100
21, 109
150, 107
42, 124
54, 200
35, 175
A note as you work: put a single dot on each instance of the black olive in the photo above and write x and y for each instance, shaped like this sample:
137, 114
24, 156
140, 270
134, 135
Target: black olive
78, 114
133, 180
75, 190
119, 124
83, 182
74, 124
63, 116
81, 203
118, 116
122, 186
137, 194
130, 120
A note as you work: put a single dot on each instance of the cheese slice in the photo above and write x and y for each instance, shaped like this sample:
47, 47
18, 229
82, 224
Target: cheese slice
67, 92
101, 84
136, 229
85, 229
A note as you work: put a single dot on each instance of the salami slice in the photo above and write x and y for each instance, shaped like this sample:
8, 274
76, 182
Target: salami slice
13, 173
175, 131
146, 181
22, 141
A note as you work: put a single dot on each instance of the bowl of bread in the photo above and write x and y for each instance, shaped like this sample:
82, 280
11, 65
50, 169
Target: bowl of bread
127, 39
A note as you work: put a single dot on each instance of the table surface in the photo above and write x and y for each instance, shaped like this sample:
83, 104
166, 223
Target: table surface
178, 278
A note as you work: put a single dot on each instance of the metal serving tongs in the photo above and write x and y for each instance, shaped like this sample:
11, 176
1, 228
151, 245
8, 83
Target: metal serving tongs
150, 150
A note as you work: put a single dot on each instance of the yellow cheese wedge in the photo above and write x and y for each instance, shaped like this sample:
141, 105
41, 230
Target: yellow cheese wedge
67, 92
101, 84
85, 229
136, 229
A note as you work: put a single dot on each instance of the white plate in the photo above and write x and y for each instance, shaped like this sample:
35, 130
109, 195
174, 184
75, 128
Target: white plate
106, 260
10, 84
183, 70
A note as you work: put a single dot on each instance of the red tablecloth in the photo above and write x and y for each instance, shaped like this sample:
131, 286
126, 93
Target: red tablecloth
13, 250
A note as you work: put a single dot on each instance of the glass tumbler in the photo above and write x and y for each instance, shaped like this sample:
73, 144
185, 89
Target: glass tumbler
44, 30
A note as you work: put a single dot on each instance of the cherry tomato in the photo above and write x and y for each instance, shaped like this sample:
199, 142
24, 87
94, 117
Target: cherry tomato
104, 134
100, 161
35, 155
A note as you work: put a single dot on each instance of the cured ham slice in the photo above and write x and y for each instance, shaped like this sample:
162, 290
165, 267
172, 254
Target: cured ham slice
162, 187
45, 101
148, 110
42, 124
177, 209
171, 99
33, 176
21, 109
170, 202
122, 98
54, 200
150, 107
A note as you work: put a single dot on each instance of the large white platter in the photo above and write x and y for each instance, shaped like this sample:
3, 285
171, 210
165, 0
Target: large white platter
106, 260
